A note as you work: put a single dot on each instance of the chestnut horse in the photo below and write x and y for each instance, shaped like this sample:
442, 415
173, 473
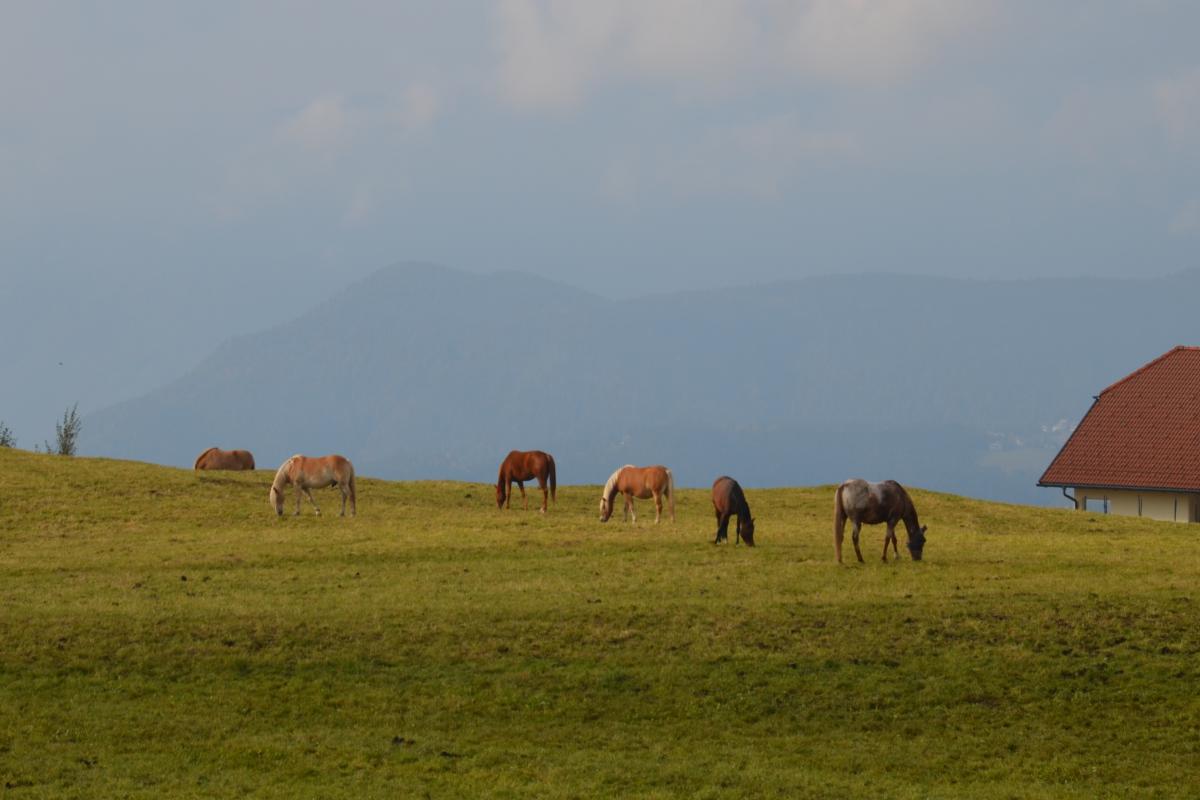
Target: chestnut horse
214, 458
525, 465
314, 473
642, 483
728, 499
873, 503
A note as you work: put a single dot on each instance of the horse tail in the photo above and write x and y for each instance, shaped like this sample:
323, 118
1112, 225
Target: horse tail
200, 458
553, 477
671, 492
839, 514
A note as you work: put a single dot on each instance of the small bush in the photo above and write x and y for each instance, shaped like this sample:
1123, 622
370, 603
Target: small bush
66, 433
6, 436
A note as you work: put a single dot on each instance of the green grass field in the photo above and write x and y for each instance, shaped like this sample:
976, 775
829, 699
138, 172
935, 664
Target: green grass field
164, 635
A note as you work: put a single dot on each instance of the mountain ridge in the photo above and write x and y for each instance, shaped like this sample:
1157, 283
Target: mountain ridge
424, 371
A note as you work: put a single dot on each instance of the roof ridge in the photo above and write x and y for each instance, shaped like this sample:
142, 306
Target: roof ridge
1145, 367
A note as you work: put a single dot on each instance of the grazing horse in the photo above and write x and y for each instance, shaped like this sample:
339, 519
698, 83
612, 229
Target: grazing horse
729, 500
642, 483
520, 466
214, 458
872, 503
314, 473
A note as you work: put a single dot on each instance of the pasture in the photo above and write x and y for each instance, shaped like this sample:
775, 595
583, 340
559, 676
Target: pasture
162, 634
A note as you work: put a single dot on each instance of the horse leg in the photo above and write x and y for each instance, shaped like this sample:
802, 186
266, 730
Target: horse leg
524, 499
311, 500
630, 508
657, 506
717, 513
838, 535
854, 535
545, 493
344, 492
298, 493
508, 495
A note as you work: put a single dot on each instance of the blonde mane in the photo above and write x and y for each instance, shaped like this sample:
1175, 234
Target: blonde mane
611, 482
281, 477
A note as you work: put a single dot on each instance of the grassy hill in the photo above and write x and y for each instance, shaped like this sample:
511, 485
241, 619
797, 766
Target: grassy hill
163, 634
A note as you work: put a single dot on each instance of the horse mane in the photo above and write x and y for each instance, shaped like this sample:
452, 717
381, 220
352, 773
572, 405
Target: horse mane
503, 467
610, 485
910, 512
200, 458
281, 474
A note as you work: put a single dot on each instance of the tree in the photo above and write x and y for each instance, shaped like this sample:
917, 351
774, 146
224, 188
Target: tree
6, 436
67, 433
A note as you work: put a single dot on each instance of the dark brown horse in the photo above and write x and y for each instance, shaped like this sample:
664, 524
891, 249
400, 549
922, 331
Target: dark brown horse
728, 500
213, 458
525, 465
639, 482
873, 503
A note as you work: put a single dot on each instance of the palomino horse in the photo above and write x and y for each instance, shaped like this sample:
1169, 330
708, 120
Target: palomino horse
728, 500
214, 458
642, 483
314, 473
872, 503
520, 466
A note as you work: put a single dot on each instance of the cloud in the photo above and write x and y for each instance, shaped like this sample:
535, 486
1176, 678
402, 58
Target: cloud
419, 107
1177, 103
876, 41
322, 125
324, 144
551, 52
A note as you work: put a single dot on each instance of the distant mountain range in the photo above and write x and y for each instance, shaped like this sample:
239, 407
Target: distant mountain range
425, 372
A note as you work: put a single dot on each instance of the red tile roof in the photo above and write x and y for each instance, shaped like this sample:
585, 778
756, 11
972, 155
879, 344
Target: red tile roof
1143, 432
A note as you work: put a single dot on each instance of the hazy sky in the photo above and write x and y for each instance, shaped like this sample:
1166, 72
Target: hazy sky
653, 142
252, 156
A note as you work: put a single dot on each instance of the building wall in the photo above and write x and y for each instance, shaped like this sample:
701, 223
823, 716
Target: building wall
1169, 506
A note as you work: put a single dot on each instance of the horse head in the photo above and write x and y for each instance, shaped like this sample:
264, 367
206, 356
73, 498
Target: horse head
747, 531
277, 501
500, 495
916, 542
605, 509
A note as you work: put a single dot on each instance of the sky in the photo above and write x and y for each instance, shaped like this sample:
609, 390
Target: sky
223, 166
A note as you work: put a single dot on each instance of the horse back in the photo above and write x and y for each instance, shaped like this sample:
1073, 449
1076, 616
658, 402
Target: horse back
646, 479
525, 465
873, 503
727, 495
202, 459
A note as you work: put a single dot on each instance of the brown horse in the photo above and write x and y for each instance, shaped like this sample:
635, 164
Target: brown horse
873, 503
642, 483
728, 500
214, 458
314, 473
525, 465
